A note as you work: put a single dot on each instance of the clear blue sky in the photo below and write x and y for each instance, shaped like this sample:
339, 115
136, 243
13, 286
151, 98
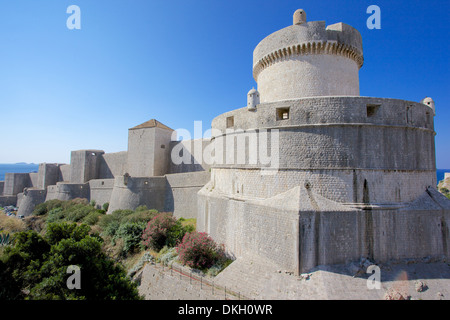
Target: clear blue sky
179, 61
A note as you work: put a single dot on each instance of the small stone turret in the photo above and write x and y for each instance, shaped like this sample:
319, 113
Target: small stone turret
299, 16
429, 102
252, 99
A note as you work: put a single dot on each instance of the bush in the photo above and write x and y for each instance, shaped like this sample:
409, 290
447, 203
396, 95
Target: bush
156, 232
44, 208
131, 234
115, 216
139, 216
198, 250
163, 230
35, 268
55, 215
141, 208
60, 231
177, 232
93, 217
168, 255
105, 206
78, 212
111, 229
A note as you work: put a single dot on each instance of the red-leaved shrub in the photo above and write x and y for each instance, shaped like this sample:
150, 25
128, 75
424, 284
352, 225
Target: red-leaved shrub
157, 230
198, 250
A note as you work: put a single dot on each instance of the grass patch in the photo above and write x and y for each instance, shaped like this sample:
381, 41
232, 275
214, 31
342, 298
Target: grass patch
11, 224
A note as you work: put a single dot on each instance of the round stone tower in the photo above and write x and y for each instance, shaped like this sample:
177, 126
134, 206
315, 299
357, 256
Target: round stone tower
316, 174
308, 59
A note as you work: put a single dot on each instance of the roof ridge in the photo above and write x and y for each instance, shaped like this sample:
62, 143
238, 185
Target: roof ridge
152, 123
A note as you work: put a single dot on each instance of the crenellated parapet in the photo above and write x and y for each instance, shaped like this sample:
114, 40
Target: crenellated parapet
309, 48
308, 59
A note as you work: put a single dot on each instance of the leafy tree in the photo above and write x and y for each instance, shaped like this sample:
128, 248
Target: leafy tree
36, 267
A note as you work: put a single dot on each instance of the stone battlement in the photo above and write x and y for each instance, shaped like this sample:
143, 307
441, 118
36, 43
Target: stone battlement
338, 39
308, 59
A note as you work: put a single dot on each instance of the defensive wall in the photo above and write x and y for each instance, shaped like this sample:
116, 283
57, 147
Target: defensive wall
104, 177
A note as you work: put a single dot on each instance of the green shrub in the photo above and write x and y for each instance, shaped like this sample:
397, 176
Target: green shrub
131, 234
93, 217
177, 232
141, 208
139, 216
105, 206
36, 267
47, 206
111, 228
55, 215
115, 216
58, 231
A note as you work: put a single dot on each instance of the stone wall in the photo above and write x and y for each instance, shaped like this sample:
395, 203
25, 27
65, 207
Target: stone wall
29, 199
85, 165
187, 156
249, 228
181, 193
101, 191
300, 229
148, 151
15, 183
48, 174
68, 191
8, 201
65, 172
131, 192
159, 284
112, 165
336, 143
34, 177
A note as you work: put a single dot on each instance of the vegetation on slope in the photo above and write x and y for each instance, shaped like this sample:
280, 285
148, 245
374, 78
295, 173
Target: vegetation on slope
34, 261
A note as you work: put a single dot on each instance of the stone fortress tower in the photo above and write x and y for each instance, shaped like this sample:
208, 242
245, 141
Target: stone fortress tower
355, 176
347, 177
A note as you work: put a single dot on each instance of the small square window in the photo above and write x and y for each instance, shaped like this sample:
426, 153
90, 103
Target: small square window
372, 110
282, 113
230, 122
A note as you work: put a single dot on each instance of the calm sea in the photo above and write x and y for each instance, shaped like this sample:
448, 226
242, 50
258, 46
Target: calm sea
31, 167
17, 168
440, 174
